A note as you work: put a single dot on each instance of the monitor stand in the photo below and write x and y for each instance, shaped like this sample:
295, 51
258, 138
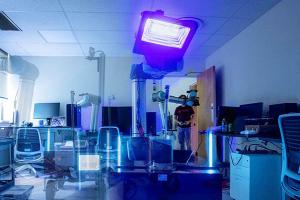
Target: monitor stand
48, 122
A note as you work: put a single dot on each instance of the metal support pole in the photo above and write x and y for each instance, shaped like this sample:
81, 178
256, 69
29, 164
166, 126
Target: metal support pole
138, 107
167, 88
101, 88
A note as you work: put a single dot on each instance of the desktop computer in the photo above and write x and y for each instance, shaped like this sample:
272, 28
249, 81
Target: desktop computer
77, 115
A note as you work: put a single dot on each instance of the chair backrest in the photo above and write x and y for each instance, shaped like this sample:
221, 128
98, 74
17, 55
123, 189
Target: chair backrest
28, 140
289, 125
108, 138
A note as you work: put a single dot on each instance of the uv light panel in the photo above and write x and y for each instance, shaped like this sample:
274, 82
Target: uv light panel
161, 35
164, 33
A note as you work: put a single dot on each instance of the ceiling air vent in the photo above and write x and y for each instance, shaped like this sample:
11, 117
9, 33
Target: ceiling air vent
6, 24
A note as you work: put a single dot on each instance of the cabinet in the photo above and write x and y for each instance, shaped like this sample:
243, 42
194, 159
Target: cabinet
255, 176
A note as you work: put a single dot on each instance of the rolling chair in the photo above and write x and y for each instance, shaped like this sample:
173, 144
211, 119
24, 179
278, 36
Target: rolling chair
28, 149
289, 125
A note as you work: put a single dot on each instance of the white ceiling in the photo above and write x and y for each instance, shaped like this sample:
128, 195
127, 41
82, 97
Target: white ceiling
70, 27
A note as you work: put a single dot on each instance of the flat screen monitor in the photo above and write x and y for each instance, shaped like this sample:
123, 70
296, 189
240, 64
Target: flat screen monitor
119, 117
46, 110
227, 112
253, 110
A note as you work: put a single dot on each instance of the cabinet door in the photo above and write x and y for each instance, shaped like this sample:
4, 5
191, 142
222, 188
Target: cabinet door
239, 188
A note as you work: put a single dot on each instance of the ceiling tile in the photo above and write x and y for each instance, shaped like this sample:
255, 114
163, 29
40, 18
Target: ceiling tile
111, 25
234, 26
58, 36
199, 39
13, 48
111, 50
105, 36
218, 40
213, 8
211, 24
201, 50
255, 8
20, 36
40, 20
39, 49
126, 6
30, 5
104, 21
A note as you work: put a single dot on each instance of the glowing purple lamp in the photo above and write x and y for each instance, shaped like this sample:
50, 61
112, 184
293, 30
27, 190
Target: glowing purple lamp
163, 39
165, 33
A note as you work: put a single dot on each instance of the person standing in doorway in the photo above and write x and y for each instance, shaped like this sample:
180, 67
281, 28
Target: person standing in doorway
183, 117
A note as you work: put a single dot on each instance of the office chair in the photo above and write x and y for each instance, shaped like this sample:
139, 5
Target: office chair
289, 125
108, 142
28, 149
108, 139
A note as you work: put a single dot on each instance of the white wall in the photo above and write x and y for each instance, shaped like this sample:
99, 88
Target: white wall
59, 75
262, 63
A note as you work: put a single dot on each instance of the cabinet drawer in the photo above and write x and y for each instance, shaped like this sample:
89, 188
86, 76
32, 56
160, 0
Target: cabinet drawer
239, 188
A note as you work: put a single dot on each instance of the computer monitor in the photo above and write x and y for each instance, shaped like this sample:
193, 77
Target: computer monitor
253, 110
46, 110
228, 113
119, 117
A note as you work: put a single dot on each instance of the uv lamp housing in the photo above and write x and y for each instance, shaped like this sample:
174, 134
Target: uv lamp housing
163, 40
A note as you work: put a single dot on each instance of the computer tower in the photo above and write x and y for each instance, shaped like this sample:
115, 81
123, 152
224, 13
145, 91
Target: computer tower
77, 115
228, 113
151, 123
119, 116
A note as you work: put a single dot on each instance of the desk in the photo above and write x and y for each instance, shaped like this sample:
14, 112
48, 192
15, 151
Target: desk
123, 179
139, 184
49, 135
136, 184
237, 134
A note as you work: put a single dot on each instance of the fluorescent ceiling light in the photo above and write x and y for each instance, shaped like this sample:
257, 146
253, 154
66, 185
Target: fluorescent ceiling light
165, 33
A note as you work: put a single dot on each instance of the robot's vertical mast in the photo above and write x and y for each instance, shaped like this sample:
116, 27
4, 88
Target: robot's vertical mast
138, 106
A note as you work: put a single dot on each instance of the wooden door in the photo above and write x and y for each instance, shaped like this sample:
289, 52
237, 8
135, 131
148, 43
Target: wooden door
206, 112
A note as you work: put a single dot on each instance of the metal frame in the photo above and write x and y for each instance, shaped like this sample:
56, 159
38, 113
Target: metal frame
285, 172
